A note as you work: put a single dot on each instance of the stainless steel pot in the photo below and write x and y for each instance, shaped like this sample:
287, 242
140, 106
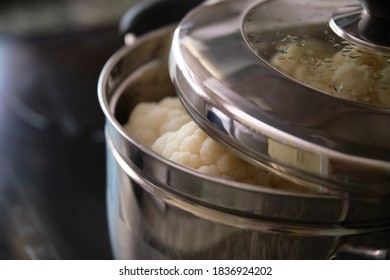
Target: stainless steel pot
160, 210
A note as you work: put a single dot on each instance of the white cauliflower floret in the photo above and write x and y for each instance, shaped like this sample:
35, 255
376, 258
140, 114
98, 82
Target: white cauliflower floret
150, 120
168, 130
193, 148
352, 73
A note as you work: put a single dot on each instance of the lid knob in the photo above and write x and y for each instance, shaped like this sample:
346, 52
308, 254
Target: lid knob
377, 8
375, 21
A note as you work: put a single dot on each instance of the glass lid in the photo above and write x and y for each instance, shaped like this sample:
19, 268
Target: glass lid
298, 87
324, 47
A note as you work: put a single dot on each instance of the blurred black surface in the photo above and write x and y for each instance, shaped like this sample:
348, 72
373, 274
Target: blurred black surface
52, 153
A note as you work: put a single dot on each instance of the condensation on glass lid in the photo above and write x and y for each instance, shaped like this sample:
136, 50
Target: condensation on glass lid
313, 55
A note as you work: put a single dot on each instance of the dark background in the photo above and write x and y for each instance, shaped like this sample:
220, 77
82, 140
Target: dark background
52, 151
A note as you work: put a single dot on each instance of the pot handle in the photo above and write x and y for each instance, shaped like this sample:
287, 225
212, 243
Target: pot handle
146, 16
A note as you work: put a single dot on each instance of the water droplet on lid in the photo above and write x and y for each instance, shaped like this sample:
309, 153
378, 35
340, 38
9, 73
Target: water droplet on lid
292, 38
338, 86
282, 49
388, 61
354, 55
377, 76
328, 60
308, 52
280, 33
301, 43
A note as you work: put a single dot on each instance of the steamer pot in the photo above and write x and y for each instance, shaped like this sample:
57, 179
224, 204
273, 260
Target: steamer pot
158, 209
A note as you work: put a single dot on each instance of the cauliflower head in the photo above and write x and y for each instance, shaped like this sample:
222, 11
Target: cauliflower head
148, 121
166, 128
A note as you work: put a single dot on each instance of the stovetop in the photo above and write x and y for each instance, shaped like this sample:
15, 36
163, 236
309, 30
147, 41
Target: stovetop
52, 151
